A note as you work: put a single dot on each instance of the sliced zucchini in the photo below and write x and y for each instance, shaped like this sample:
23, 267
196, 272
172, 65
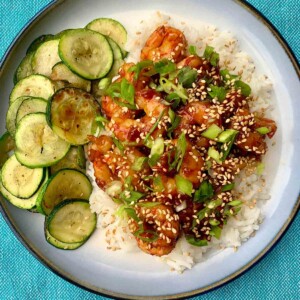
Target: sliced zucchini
75, 159
36, 144
45, 57
24, 69
12, 114
61, 72
118, 58
65, 184
38, 41
72, 221
29, 106
86, 52
111, 28
7, 144
33, 85
20, 181
19, 202
60, 245
61, 33
71, 113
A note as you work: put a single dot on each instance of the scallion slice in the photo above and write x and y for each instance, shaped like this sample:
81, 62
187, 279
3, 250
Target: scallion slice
196, 242
263, 130
212, 132
157, 150
214, 154
184, 186
227, 135
138, 163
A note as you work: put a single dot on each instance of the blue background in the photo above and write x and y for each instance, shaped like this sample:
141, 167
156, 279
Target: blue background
277, 276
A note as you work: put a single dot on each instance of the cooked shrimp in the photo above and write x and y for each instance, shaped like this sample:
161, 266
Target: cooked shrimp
160, 229
165, 42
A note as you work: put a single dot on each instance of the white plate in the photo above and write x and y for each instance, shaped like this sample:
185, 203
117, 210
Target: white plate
107, 272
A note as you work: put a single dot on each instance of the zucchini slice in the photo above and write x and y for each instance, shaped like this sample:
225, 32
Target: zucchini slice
72, 221
38, 41
12, 113
7, 144
24, 69
45, 57
33, 85
71, 113
65, 184
62, 73
36, 144
20, 181
111, 28
29, 106
60, 245
86, 52
19, 202
75, 159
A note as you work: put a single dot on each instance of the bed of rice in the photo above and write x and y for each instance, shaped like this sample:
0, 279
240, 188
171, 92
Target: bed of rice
249, 187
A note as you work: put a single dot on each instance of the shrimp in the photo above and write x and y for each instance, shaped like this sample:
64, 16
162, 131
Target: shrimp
165, 42
159, 231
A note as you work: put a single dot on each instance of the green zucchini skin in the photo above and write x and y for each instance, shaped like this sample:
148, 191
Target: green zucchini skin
72, 221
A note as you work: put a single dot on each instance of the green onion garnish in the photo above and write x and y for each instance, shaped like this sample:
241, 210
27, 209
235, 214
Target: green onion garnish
215, 231
184, 186
138, 163
192, 50
227, 135
212, 132
157, 150
215, 203
244, 87
218, 92
104, 83
260, 168
164, 67
169, 87
187, 76
263, 130
227, 187
204, 192
214, 154
212, 56
154, 126
235, 203
148, 204
196, 242
139, 67
118, 144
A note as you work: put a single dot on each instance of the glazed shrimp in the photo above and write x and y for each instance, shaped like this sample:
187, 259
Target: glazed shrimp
160, 229
165, 42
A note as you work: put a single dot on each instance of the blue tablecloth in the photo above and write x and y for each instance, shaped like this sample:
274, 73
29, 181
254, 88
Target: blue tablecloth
277, 276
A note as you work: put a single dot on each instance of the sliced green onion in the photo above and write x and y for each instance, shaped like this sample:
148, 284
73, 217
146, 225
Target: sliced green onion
130, 196
164, 67
235, 203
212, 132
158, 184
157, 150
227, 76
227, 135
196, 242
214, 154
218, 92
226, 147
215, 203
187, 76
131, 213
263, 130
114, 188
154, 126
260, 168
180, 149
138, 163
204, 192
215, 231
101, 121
173, 99
139, 67
146, 239
148, 204
192, 50
244, 87
169, 87
118, 144
184, 186
214, 222
227, 187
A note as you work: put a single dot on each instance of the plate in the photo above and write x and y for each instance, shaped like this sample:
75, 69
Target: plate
117, 276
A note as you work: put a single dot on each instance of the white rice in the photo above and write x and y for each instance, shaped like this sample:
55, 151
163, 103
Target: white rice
250, 189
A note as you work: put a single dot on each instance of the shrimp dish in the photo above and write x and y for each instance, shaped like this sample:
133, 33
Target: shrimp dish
177, 129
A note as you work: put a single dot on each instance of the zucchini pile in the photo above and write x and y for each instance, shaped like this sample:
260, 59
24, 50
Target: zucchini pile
53, 109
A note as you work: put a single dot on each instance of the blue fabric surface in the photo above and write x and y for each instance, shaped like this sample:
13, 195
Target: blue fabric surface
277, 276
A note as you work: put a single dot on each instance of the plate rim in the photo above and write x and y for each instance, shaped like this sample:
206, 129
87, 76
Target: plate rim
102, 291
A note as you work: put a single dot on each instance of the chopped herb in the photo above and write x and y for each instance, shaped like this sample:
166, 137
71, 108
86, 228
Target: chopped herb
164, 67
192, 50
158, 184
235, 203
100, 121
226, 147
130, 196
179, 153
200, 215
154, 126
157, 150
227, 187
214, 154
263, 130
174, 100
212, 56
218, 92
214, 222
227, 76
118, 144
215, 203
244, 87
174, 125
187, 76
139, 233
215, 231
131, 213
184, 186
138, 163
169, 87
139, 67
204, 192
212, 132
148, 204
260, 168
227, 135
196, 242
